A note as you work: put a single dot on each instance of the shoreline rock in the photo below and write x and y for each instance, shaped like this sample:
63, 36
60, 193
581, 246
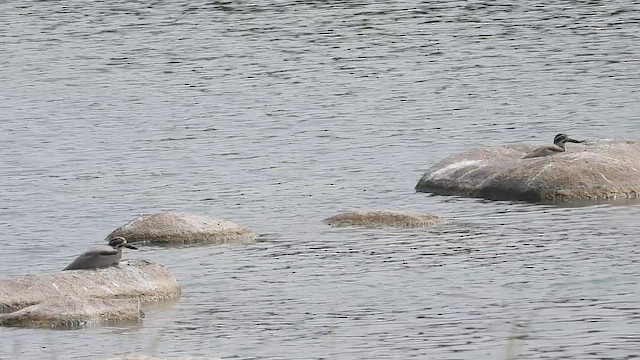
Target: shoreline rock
179, 228
597, 170
383, 218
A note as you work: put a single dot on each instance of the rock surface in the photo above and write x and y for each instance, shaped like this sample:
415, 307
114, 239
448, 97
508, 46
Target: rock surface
382, 218
596, 170
86, 294
178, 228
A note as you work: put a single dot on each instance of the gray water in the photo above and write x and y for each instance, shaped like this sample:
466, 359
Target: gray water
275, 115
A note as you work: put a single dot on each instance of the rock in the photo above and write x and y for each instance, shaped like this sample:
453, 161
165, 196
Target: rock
603, 169
139, 280
73, 312
178, 228
382, 218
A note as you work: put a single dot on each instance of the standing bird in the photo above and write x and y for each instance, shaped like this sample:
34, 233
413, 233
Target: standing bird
556, 148
101, 256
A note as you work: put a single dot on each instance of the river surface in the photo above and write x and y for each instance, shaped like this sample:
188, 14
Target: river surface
277, 114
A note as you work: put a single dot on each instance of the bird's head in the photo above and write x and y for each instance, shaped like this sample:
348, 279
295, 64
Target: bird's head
119, 242
562, 139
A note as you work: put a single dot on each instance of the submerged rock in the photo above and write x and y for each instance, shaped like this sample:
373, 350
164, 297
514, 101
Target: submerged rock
382, 218
603, 169
73, 312
178, 228
86, 294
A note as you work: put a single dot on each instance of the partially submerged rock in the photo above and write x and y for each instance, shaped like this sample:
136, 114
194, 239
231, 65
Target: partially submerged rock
604, 169
178, 228
382, 218
68, 312
82, 290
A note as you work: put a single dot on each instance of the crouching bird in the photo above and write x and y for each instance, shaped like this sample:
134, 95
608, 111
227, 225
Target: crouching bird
101, 256
556, 148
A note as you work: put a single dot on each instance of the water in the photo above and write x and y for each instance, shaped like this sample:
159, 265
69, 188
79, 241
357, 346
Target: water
276, 115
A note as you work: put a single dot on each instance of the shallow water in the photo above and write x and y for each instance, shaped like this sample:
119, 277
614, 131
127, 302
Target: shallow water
276, 115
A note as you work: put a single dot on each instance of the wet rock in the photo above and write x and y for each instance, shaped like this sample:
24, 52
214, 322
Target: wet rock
139, 280
382, 218
178, 228
73, 312
596, 170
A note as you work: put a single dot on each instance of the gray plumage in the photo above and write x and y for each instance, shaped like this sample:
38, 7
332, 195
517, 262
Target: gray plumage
101, 256
556, 148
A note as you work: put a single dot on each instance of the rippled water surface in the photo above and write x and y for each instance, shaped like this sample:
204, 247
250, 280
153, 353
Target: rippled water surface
276, 115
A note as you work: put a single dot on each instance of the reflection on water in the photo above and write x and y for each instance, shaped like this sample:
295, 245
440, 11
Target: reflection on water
278, 115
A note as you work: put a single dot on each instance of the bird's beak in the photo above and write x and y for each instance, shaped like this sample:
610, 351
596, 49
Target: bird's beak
129, 246
573, 140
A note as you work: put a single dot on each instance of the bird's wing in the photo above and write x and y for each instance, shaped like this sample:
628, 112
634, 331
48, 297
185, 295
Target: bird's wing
96, 257
107, 252
104, 250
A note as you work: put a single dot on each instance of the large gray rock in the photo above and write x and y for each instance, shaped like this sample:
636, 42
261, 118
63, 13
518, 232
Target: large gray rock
87, 294
596, 170
178, 228
382, 218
